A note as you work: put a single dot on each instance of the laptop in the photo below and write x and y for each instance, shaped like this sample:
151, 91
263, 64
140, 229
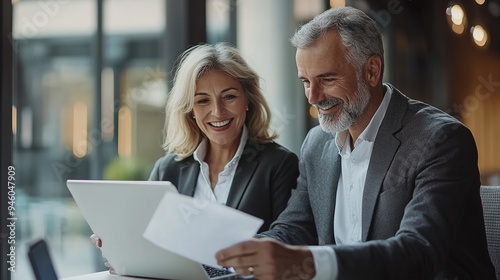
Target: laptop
119, 212
43, 268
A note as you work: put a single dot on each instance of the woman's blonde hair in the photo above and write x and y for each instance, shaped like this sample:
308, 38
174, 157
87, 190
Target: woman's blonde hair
181, 134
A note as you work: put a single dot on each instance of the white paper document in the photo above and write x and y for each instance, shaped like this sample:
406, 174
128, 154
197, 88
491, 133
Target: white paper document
197, 229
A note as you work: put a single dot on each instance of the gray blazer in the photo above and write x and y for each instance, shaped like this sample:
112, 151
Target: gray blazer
262, 184
421, 215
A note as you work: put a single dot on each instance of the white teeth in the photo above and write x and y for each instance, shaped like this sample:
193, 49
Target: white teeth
220, 124
327, 104
326, 108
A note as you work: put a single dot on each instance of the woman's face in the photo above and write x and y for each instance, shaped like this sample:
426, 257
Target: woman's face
220, 107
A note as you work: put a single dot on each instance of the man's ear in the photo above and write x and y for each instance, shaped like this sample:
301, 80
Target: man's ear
373, 70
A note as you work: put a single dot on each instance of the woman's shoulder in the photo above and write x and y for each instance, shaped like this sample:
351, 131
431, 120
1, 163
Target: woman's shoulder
170, 160
168, 167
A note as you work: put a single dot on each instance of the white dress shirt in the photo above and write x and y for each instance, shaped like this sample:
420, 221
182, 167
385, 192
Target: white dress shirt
221, 190
348, 204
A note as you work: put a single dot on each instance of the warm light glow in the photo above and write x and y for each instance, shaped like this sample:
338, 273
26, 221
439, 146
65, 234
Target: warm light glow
480, 2
26, 125
457, 14
307, 9
313, 112
124, 132
456, 18
107, 104
479, 35
337, 3
14, 120
459, 29
80, 129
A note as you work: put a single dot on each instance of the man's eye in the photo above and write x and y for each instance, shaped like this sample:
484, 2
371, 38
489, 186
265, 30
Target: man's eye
306, 83
328, 81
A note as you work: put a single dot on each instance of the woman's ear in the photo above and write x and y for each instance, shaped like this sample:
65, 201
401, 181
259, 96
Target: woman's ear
373, 70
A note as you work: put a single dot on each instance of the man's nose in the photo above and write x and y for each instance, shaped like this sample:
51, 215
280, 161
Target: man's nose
313, 94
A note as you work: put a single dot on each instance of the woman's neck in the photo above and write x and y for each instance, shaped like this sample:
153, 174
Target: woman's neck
218, 155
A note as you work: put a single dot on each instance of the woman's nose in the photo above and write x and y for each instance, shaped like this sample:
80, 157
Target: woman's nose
218, 109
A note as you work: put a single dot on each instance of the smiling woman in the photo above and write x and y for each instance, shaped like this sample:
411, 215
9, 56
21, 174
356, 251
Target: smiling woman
217, 137
219, 110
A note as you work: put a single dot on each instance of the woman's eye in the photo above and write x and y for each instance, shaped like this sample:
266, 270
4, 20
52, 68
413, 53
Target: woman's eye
202, 101
230, 97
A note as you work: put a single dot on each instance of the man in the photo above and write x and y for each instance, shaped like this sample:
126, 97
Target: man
388, 186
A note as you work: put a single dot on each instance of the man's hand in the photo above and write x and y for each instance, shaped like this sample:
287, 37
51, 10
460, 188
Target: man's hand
268, 259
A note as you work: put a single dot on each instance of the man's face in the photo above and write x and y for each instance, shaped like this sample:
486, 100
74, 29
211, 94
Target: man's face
331, 83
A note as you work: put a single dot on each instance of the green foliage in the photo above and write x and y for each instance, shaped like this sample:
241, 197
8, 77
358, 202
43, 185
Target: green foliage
125, 169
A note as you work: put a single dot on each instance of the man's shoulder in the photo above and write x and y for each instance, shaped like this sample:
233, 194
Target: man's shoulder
430, 119
316, 141
317, 135
424, 123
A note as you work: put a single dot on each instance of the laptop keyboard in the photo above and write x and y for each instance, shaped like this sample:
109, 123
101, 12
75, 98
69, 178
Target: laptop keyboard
220, 273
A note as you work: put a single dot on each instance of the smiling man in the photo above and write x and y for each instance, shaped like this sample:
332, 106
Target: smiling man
388, 186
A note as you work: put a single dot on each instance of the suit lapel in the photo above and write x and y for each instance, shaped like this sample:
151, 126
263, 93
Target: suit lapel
386, 145
331, 158
188, 178
244, 172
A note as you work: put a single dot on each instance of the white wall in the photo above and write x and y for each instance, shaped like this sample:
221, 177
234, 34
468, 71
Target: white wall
264, 29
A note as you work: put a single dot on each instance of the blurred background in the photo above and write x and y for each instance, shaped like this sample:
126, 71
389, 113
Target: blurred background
90, 80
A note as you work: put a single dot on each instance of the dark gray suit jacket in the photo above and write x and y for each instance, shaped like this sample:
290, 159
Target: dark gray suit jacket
421, 215
262, 184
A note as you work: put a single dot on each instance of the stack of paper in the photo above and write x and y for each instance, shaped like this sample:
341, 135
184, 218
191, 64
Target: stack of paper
197, 229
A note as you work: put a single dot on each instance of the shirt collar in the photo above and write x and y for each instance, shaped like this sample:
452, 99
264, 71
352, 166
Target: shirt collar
342, 138
201, 151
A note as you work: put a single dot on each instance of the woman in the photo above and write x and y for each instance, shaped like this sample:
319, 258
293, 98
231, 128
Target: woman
217, 137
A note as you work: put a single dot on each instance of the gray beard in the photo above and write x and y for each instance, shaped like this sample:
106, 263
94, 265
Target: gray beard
349, 112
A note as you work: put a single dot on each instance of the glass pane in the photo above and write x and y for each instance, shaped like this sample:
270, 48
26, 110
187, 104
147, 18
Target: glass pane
54, 103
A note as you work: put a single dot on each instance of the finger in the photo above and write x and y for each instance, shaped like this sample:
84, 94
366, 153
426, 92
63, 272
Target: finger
112, 270
243, 264
236, 250
239, 262
246, 270
96, 240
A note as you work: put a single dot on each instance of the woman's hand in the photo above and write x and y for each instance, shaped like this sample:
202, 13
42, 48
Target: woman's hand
98, 243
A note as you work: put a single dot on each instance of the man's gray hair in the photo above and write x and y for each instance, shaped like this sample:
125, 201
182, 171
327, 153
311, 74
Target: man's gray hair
358, 32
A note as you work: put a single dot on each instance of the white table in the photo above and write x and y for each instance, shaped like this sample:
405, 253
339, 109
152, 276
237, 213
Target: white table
103, 275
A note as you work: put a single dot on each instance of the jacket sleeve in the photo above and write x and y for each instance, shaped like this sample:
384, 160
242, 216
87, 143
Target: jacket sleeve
295, 225
285, 179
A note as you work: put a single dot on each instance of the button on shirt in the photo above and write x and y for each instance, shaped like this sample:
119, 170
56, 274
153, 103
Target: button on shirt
354, 165
348, 204
221, 190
